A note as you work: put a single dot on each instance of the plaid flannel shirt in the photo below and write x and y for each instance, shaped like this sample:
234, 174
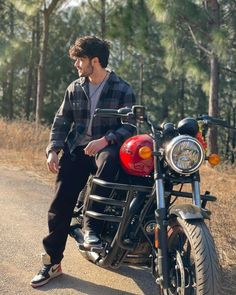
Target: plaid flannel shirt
72, 119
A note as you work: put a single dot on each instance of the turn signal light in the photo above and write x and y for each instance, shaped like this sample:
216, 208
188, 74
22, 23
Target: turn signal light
145, 152
156, 236
214, 159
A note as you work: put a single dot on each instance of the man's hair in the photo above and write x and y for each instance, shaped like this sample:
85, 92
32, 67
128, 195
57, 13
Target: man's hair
90, 46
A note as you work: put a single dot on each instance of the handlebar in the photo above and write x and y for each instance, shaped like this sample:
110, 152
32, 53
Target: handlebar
107, 113
214, 121
137, 112
133, 116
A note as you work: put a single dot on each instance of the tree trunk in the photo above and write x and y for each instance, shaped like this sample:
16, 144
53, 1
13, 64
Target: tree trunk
41, 69
165, 109
30, 78
103, 19
202, 100
37, 56
181, 102
10, 92
43, 54
140, 98
4, 104
11, 72
213, 108
101, 13
234, 124
227, 136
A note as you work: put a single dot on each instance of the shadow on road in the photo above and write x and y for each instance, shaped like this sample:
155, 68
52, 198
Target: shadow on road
142, 278
229, 280
70, 282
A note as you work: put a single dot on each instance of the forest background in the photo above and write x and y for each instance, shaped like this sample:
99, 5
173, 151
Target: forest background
179, 56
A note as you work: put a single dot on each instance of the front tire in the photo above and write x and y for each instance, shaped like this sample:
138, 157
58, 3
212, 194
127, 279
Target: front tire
194, 266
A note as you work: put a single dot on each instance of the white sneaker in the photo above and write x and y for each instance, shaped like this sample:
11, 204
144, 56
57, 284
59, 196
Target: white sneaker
47, 272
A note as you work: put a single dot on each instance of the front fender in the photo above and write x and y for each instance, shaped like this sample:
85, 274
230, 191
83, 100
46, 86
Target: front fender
189, 211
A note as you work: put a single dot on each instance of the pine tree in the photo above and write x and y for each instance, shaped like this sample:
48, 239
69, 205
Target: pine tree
198, 36
48, 9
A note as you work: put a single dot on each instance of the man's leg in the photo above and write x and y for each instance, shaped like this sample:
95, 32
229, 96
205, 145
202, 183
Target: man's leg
73, 174
72, 177
107, 162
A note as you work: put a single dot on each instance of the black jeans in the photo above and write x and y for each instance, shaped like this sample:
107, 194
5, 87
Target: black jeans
73, 174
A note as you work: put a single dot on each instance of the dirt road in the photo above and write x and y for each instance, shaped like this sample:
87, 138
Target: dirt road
24, 201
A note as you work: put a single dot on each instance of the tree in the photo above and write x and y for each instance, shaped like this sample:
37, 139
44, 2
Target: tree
101, 12
10, 58
47, 11
213, 110
102, 8
134, 32
15, 50
198, 24
32, 74
168, 56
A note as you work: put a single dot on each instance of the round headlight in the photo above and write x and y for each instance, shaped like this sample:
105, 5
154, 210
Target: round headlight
184, 154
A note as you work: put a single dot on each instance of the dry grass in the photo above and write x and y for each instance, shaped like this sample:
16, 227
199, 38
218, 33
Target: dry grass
23, 146
223, 221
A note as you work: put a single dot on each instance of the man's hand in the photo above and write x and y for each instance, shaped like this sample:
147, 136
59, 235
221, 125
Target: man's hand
52, 162
95, 146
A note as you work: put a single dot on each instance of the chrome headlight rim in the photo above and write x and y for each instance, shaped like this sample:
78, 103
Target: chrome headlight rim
170, 147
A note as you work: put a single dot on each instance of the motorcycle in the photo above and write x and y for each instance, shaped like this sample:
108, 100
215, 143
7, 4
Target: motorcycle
148, 218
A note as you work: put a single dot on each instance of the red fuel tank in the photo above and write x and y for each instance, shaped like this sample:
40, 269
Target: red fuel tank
130, 158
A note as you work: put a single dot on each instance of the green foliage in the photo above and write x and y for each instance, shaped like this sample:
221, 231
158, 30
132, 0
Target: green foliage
30, 8
221, 43
161, 47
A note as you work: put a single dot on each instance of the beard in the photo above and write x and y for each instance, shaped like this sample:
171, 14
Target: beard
86, 71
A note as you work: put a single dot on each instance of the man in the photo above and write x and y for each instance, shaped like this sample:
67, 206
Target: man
89, 145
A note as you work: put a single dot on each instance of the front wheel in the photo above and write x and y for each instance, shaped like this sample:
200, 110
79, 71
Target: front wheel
194, 266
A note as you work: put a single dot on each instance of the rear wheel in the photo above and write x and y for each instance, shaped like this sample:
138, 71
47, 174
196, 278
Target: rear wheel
194, 267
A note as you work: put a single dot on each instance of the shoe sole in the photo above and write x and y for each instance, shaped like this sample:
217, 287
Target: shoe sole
36, 285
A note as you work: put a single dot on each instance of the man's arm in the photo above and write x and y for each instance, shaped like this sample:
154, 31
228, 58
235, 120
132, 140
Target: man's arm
117, 136
53, 162
61, 125
125, 131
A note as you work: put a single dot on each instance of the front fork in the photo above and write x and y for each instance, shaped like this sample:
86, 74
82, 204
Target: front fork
162, 223
161, 220
196, 191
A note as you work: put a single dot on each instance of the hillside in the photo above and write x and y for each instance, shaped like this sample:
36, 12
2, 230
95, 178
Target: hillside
23, 146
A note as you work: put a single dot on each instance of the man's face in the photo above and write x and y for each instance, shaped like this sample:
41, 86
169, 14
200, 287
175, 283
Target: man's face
84, 66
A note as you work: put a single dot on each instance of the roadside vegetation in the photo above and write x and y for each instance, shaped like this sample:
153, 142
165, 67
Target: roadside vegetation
22, 146
177, 56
